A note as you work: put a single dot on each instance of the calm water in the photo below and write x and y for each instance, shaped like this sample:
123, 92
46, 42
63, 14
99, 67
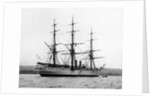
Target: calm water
36, 81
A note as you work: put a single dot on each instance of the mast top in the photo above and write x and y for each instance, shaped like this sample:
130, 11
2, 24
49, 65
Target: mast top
54, 22
92, 31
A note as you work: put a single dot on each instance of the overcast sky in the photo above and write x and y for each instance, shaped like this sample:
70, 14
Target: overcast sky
107, 23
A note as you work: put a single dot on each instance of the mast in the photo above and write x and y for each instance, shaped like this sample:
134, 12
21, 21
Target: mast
53, 49
73, 45
91, 52
54, 43
72, 51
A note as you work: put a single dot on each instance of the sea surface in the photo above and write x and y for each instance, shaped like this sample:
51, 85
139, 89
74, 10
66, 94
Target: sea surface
36, 81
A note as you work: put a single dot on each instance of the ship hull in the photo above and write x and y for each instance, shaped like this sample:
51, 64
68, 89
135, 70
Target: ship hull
66, 72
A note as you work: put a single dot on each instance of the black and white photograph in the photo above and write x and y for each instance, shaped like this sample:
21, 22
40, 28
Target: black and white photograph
71, 47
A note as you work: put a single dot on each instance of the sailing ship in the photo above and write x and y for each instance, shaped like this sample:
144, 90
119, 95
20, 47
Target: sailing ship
74, 69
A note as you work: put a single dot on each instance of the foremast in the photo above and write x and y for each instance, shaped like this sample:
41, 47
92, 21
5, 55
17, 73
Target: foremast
54, 52
53, 48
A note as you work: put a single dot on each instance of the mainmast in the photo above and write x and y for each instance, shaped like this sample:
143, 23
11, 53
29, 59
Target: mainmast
73, 45
72, 51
